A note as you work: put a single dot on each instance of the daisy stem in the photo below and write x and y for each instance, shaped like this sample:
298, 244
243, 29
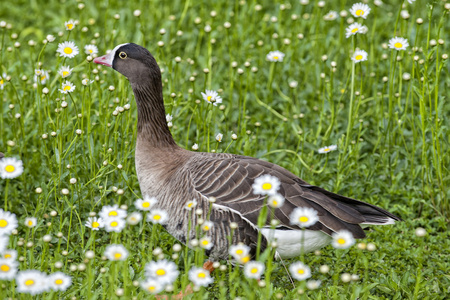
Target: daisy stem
6, 194
350, 112
269, 83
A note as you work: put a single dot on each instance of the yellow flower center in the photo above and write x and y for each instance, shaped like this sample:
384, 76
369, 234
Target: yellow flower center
1, 81
274, 202
114, 223
303, 219
3, 223
328, 149
43, 77
10, 168
209, 98
206, 227
146, 204
117, 255
245, 259
95, 224
58, 281
29, 282
30, 223
359, 12
201, 275
205, 242
275, 57
357, 57
68, 50
4, 268
65, 73
156, 217
301, 271
355, 30
151, 288
267, 186
90, 51
69, 26
67, 88
254, 270
398, 45
113, 213
160, 272
239, 252
190, 204
7, 256
341, 241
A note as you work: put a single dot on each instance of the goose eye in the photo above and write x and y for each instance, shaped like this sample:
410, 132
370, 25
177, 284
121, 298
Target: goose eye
122, 55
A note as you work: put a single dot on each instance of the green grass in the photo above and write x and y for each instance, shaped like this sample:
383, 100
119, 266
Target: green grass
392, 134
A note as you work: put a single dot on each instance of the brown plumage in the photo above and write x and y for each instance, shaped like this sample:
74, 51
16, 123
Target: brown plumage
174, 176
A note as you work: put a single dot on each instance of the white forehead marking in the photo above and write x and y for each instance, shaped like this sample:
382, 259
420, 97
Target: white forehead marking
112, 53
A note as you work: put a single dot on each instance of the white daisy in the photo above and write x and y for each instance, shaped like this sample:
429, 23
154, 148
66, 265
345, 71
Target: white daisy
200, 277
239, 251
191, 204
2, 81
113, 211
275, 200
164, 271
114, 224
67, 87
304, 216
206, 243
266, 185
65, 71
30, 222
91, 49
330, 16
207, 225
275, 56
59, 281
67, 49
313, 284
9, 254
169, 118
10, 167
42, 76
212, 97
327, 149
134, 218
398, 43
31, 282
8, 269
8, 222
152, 286
86, 81
358, 56
94, 223
219, 137
360, 10
116, 252
411, 1
355, 28
342, 239
157, 216
69, 25
254, 269
300, 271
145, 204
4, 241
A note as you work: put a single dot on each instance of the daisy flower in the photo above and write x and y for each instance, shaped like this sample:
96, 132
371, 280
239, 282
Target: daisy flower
30, 222
67, 87
327, 149
169, 118
32, 282
342, 239
206, 243
145, 204
239, 251
116, 252
9, 254
67, 49
266, 185
4, 241
152, 286
304, 216
300, 271
157, 216
164, 271
219, 137
113, 211
200, 277
86, 81
94, 223
275, 200
8, 222
360, 10
355, 28
313, 284
69, 25
114, 224
358, 56
207, 225
398, 43
2, 81
275, 56
41, 75
134, 218
8, 269
10, 167
254, 269
212, 97
330, 16
65, 71
91, 49
59, 281
191, 204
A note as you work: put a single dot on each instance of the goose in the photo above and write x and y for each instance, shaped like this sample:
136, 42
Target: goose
175, 175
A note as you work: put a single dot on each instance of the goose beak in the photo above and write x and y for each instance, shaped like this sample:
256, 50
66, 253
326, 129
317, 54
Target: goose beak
105, 60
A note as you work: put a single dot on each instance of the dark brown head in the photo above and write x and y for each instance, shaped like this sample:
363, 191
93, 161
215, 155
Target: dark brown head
133, 61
